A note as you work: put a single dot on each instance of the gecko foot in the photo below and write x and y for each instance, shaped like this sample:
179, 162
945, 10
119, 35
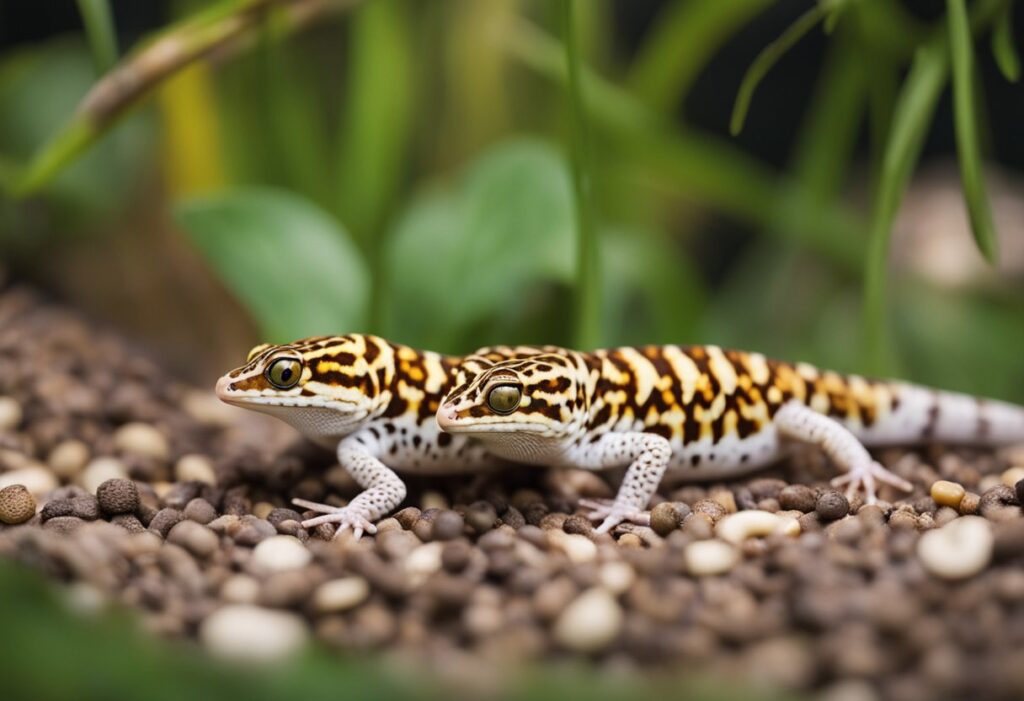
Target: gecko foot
864, 475
345, 516
612, 514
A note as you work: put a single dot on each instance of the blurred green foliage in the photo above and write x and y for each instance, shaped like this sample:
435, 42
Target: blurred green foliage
457, 173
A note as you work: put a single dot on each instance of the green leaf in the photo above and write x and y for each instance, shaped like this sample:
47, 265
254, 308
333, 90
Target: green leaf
1003, 47
289, 262
966, 122
99, 28
769, 56
462, 255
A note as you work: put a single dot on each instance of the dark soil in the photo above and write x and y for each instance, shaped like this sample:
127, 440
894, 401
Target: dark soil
472, 576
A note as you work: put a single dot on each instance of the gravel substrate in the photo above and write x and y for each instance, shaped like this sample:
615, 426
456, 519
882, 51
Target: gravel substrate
149, 493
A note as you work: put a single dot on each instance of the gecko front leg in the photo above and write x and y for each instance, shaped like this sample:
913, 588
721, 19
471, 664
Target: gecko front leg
647, 455
794, 420
383, 489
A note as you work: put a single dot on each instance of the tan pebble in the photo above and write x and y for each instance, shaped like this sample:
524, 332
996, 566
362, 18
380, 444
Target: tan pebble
68, 459
195, 468
340, 594
142, 439
99, 470
946, 493
162, 489
959, 549
252, 633
724, 497
37, 480
630, 540
10, 413
240, 589
279, 553
262, 509
206, 408
590, 623
578, 548
710, 557
423, 561
16, 504
433, 500
616, 576
194, 537
735, 528
970, 503
1013, 475
988, 482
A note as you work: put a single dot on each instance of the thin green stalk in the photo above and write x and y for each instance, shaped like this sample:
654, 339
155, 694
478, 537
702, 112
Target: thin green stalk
1003, 48
99, 28
588, 289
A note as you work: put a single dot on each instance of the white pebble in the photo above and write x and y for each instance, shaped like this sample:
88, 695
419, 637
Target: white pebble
423, 561
737, 527
99, 470
340, 594
37, 480
10, 414
280, 553
710, 557
142, 439
617, 576
253, 634
195, 468
68, 458
590, 622
240, 589
960, 549
579, 548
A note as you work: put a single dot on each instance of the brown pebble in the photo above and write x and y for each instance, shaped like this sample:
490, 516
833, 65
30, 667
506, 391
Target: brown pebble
810, 522
698, 526
797, 497
630, 540
194, 537
276, 516
668, 516
129, 522
481, 516
55, 508
164, 520
578, 525
902, 518
63, 524
710, 508
200, 511
552, 522
118, 496
17, 504
514, 518
253, 531
969, 504
999, 504
766, 488
407, 517
447, 526
456, 555
831, 505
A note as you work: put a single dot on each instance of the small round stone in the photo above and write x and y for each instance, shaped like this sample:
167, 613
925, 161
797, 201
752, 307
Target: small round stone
118, 496
447, 526
99, 470
481, 516
129, 522
200, 511
959, 549
710, 508
195, 468
10, 413
143, 440
37, 480
668, 516
946, 493
164, 521
797, 497
590, 622
240, 589
340, 594
969, 504
735, 528
85, 507
579, 548
17, 504
194, 537
710, 557
279, 553
831, 505
1013, 475
253, 633
68, 459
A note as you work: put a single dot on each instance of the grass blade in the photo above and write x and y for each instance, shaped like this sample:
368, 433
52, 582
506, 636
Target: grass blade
768, 58
966, 122
99, 28
588, 283
1003, 48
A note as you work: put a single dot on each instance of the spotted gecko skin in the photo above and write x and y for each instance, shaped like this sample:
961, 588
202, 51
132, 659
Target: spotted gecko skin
372, 401
700, 412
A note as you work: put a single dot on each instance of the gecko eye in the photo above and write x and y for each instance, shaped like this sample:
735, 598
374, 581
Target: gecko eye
504, 399
284, 373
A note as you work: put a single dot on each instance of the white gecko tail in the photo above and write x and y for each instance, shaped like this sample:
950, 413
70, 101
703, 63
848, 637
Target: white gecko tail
921, 415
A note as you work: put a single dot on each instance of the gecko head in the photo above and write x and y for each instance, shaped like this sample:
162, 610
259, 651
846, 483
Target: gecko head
538, 395
323, 386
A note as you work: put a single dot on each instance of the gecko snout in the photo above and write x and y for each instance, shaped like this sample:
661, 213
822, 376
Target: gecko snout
446, 416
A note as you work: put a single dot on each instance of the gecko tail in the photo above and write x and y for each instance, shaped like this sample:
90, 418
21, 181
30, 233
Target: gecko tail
923, 415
